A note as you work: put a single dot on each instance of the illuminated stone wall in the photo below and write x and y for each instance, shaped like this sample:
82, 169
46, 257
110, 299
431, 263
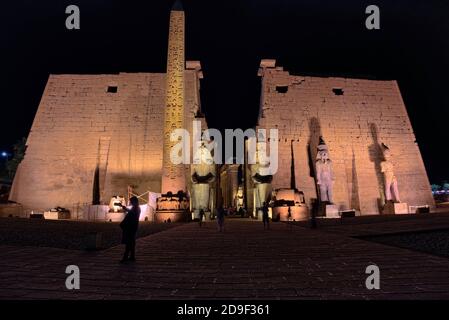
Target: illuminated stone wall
229, 184
354, 116
79, 125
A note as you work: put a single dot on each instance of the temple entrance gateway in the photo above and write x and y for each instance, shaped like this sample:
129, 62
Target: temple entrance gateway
350, 171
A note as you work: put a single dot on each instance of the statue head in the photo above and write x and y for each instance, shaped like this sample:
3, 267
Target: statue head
204, 156
324, 155
261, 151
322, 151
386, 152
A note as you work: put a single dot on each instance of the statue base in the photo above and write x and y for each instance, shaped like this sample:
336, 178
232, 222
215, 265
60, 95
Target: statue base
395, 208
331, 211
115, 216
172, 208
164, 216
57, 215
298, 213
328, 210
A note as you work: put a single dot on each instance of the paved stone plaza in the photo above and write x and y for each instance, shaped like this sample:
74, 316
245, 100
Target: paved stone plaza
189, 262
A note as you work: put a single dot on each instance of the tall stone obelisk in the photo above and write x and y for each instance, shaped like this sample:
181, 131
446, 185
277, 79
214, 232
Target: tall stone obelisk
173, 176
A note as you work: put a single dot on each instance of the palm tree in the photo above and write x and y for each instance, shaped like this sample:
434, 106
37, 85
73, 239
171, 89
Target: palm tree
19, 153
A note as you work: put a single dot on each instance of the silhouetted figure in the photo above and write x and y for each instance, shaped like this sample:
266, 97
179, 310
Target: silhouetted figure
242, 212
315, 208
220, 218
265, 219
201, 216
289, 217
129, 227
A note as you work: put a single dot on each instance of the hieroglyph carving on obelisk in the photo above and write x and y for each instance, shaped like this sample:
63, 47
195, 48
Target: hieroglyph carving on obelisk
173, 175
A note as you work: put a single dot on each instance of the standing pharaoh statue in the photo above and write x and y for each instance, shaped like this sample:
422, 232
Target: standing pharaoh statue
202, 175
390, 181
324, 173
261, 181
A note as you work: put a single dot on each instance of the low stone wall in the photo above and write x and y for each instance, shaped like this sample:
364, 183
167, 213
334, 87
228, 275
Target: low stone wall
14, 210
298, 213
101, 213
174, 216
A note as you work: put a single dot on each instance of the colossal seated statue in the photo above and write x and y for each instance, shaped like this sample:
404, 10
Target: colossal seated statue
202, 175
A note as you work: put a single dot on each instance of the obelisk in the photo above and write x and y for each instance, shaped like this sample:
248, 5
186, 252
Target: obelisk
173, 175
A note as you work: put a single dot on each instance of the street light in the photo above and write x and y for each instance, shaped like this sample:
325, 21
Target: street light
5, 154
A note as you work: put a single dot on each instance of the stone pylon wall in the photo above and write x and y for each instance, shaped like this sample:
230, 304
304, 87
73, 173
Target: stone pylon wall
353, 125
79, 126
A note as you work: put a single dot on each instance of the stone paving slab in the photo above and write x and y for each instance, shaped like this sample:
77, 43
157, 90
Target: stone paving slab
376, 225
243, 262
67, 234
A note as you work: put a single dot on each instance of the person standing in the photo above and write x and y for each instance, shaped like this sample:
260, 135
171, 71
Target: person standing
220, 218
201, 217
129, 227
289, 217
242, 212
265, 219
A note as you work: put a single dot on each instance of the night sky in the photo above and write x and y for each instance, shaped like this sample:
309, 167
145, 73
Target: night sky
325, 37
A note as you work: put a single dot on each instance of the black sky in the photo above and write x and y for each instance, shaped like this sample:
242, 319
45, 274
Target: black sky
230, 37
